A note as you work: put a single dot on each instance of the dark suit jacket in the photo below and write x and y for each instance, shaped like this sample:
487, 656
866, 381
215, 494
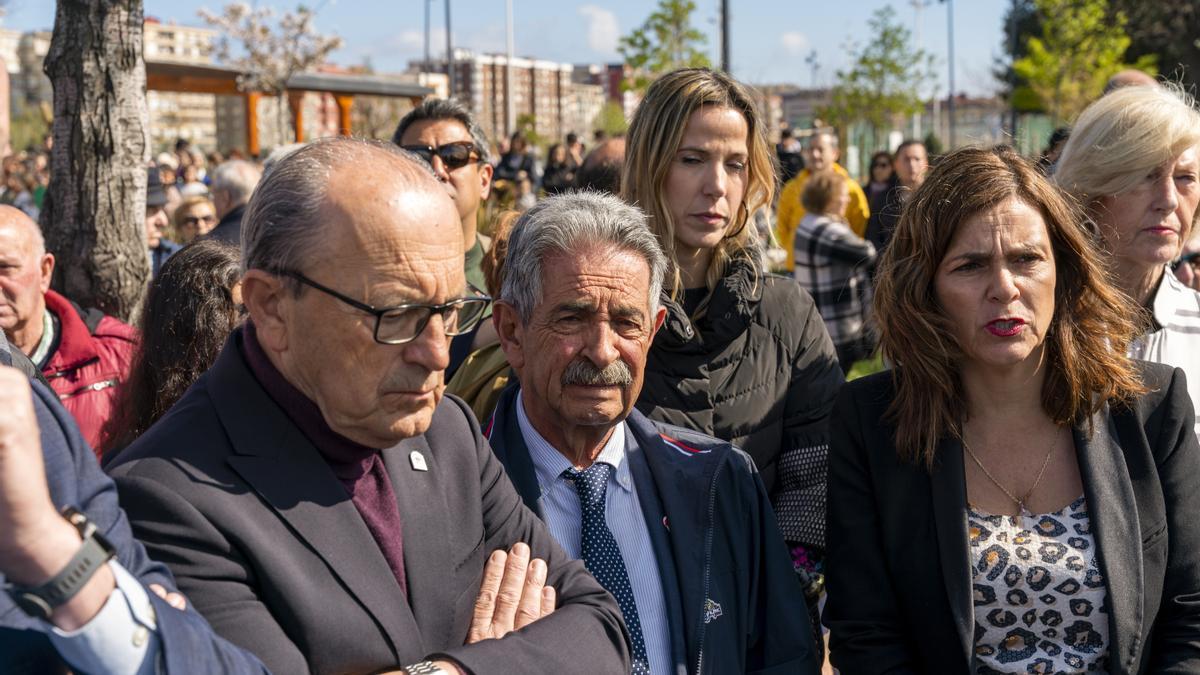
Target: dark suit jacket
267, 544
733, 604
898, 575
188, 644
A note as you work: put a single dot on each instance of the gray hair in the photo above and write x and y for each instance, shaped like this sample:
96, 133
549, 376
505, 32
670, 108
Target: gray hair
237, 178
570, 223
282, 225
445, 109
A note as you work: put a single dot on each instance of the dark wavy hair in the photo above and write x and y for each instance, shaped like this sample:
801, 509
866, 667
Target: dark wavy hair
186, 316
1087, 341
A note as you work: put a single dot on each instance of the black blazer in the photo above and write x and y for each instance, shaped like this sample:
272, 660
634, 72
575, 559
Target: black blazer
267, 545
898, 575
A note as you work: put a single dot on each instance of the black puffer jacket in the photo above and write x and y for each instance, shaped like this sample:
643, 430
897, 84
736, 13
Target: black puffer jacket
756, 369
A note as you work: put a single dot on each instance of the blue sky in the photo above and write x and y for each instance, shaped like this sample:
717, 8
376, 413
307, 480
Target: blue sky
770, 38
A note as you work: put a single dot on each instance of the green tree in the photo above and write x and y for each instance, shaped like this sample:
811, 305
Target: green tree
611, 119
1080, 47
1013, 87
527, 127
1167, 30
665, 42
885, 80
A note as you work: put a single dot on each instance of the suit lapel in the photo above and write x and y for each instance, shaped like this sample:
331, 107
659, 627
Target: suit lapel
290, 475
1114, 523
421, 495
949, 493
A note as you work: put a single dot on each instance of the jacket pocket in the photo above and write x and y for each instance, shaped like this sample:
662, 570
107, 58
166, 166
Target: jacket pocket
1155, 534
472, 555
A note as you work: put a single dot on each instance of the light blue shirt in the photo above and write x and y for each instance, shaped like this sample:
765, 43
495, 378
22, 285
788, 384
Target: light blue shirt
623, 513
121, 638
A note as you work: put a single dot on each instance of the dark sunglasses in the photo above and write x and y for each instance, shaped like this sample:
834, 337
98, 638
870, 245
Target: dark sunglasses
196, 220
454, 155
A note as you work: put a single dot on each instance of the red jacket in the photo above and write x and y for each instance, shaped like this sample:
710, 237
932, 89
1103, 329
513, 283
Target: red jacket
92, 357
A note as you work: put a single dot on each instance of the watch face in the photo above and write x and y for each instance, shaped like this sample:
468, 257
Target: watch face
31, 604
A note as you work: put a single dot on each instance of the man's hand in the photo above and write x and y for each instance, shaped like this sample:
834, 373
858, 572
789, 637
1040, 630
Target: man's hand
176, 600
27, 515
35, 541
513, 594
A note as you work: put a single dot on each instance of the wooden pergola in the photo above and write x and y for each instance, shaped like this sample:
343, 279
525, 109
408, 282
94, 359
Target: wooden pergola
212, 79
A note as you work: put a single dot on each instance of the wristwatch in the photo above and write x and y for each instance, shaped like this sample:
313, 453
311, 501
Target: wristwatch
424, 668
40, 601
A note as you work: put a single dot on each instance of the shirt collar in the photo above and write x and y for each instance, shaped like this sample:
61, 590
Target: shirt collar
1169, 298
549, 464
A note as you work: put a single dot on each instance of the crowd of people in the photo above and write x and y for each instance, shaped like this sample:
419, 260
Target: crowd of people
952, 431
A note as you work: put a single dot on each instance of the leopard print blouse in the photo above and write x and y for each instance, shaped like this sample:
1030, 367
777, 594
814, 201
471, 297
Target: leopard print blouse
1040, 600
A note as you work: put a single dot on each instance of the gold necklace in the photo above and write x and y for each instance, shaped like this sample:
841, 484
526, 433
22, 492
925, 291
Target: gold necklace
1019, 501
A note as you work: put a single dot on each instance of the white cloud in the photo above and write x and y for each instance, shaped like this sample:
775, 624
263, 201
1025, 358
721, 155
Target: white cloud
413, 41
794, 42
602, 30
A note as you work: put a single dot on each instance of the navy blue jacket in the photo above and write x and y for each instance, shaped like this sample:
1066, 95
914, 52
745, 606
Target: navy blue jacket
733, 601
188, 644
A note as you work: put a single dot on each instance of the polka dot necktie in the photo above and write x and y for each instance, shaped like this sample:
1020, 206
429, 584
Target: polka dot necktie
602, 557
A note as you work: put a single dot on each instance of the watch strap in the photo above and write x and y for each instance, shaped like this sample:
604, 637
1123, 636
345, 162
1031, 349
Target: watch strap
424, 668
94, 553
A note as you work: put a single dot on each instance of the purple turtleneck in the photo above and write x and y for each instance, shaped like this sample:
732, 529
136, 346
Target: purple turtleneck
359, 469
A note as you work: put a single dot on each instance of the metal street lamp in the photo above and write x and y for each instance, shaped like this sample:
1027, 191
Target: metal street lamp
950, 41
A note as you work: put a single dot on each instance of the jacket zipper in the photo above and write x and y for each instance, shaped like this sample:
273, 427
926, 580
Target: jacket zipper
708, 537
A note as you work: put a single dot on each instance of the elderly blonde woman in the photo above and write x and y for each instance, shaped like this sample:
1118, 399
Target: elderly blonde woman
1133, 160
195, 216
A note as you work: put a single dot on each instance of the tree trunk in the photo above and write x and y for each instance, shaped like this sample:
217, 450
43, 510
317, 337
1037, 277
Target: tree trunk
94, 212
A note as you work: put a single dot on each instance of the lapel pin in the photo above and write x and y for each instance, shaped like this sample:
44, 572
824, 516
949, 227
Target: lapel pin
418, 461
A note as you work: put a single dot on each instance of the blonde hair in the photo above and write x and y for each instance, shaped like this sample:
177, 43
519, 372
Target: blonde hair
820, 190
1124, 136
654, 137
182, 209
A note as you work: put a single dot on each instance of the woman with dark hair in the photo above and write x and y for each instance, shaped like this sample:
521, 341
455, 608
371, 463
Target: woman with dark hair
743, 354
1017, 495
559, 174
192, 306
880, 178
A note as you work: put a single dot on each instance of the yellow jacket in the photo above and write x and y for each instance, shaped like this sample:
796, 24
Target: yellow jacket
791, 212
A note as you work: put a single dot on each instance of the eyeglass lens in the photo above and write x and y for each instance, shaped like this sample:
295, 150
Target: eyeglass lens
458, 317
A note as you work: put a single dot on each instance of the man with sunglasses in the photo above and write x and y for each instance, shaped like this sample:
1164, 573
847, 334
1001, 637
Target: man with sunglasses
317, 498
446, 136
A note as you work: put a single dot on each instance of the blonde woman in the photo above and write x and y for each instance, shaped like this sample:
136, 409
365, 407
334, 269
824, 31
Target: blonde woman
743, 355
1133, 160
195, 216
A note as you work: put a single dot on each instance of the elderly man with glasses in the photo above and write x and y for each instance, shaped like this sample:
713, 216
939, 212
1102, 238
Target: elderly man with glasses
317, 498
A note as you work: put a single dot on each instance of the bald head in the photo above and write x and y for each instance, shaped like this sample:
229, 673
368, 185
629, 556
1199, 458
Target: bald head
1129, 78
12, 217
284, 225
601, 169
25, 271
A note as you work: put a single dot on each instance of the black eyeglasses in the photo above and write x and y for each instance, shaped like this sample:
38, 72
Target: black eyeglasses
454, 155
403, 323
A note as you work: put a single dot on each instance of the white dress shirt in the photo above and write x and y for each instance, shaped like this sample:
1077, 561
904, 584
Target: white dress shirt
121, 639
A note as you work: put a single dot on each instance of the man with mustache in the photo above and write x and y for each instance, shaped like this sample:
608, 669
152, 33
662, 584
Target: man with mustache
316, 497
675, 524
